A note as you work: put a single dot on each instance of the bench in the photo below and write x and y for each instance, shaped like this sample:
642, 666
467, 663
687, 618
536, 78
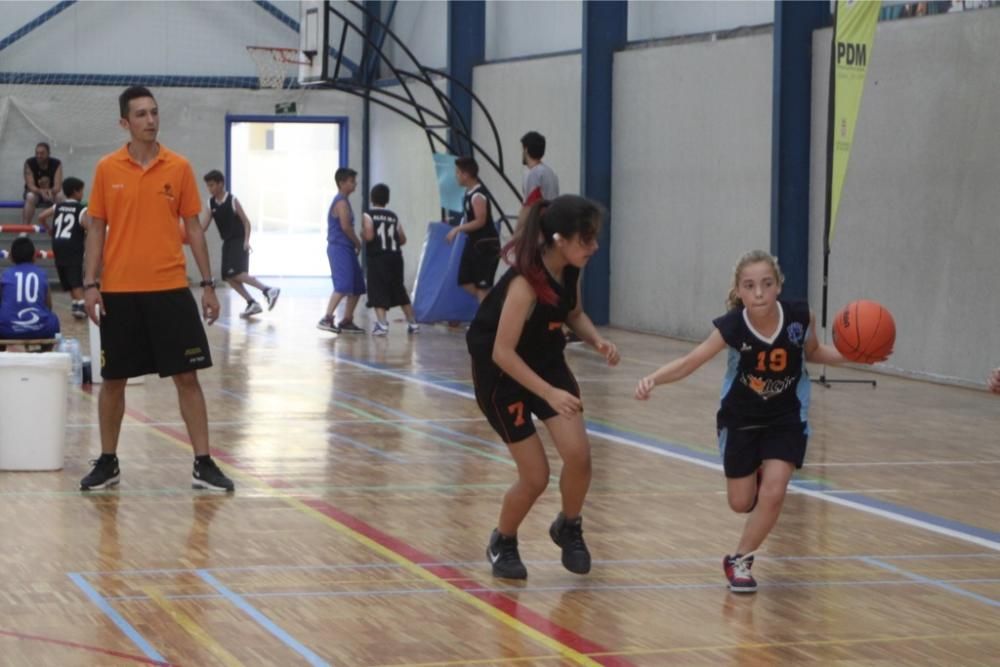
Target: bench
29, 344
12, 204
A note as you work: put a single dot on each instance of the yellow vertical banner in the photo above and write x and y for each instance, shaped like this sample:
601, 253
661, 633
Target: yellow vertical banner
852, 52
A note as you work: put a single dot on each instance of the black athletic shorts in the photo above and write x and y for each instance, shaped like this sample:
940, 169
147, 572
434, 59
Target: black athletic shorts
152, 332
235, 260
478, 265
70, 275
508, 406
743, 449
385, 281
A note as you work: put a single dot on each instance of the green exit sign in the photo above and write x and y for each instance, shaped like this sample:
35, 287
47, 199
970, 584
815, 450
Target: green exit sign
285, 108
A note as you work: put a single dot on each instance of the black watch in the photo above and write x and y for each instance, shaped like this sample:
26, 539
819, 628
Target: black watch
91, 286
207, 283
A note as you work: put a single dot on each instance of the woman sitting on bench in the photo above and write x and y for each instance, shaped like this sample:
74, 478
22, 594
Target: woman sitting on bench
25, 302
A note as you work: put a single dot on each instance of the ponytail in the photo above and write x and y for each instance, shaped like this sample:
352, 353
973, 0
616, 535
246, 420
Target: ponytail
524, 252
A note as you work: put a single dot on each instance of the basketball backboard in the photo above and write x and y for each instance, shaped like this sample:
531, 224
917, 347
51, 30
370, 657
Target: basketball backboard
331, 41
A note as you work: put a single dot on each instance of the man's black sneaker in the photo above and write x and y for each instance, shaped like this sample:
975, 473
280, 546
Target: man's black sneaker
503, 556
568, 534
104, 474
207, 475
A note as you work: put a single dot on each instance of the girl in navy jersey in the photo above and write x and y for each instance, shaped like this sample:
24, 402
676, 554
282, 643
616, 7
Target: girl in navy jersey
761, 421
516, 343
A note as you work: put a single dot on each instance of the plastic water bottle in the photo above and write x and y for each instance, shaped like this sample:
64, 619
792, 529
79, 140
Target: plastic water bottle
76, 366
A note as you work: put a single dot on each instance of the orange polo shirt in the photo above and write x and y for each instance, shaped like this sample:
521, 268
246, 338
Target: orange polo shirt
142, 208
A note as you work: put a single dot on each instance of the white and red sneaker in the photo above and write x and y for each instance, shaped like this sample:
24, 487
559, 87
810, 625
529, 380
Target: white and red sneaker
737, 569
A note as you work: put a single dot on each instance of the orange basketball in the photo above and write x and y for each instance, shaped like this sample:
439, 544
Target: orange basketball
864, 331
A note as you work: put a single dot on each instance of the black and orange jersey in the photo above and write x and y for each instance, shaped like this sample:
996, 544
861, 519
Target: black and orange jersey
766, 379
542, 340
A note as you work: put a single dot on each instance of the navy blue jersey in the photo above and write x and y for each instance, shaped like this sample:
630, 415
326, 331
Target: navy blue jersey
542, 339
68, 235
227, 220
386, 224
487, 231
766, 380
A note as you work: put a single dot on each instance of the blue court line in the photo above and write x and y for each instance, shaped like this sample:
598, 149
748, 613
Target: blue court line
945, 585
477, 563
892, 511
351, 441
115, 617
583, 588
437, 427
368, 448
262, 620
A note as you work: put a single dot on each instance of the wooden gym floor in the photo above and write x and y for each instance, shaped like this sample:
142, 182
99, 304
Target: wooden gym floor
368, 482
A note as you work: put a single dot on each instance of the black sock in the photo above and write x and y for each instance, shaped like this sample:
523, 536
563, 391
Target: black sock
109, 457
203, 458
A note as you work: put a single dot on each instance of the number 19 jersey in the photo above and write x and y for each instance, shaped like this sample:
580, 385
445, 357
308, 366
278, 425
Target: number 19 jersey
766, 380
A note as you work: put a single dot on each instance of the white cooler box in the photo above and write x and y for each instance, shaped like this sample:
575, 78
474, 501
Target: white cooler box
33, 410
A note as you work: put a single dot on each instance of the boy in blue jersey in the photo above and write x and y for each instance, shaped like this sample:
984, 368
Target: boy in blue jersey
25, 302
342, 248
761, 421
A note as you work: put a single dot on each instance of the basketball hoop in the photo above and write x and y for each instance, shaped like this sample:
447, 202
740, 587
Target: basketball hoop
272, 64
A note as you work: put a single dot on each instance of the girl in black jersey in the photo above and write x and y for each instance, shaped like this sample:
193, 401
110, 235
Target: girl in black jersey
761, 421
519, 370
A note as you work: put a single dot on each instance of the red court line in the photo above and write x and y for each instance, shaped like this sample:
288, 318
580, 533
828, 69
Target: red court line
454, 577
498, 601
83, 647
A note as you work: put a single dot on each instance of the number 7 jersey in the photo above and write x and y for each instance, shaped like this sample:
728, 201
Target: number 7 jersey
766, 379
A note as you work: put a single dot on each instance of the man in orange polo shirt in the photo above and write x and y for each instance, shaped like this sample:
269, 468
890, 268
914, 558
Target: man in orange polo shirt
148, 317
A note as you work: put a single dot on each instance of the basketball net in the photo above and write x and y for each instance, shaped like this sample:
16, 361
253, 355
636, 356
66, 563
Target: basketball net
272, 65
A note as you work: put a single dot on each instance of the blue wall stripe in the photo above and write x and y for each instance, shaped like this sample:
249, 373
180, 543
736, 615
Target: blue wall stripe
466, 49
37, 22
605, 30
791, 128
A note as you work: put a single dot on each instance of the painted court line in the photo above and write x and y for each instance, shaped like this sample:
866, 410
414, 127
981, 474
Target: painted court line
497, 605
82, 647
946, 585
116, 618
191, 626
899, 514
262, 620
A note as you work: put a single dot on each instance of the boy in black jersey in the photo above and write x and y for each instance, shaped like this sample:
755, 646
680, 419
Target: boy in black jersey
234, 228
384, 237
761, 421
481, 255
69, 229
516, 343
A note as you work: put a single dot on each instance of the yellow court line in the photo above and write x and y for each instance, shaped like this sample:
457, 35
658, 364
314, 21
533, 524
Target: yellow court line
792, 644
552, 644
192, 627
695, 649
